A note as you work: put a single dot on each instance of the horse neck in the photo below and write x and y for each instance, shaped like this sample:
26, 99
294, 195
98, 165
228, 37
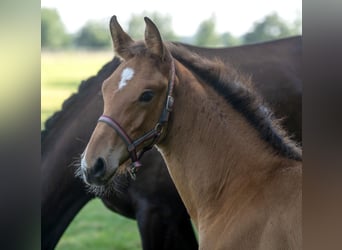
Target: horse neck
63, 195
65, 141
210, 150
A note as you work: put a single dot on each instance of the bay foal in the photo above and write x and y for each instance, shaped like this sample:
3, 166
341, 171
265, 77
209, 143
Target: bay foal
237, 173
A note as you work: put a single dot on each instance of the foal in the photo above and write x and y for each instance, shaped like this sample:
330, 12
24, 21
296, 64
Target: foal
237, 173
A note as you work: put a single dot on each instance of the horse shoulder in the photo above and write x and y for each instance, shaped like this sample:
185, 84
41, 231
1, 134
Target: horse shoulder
271, 220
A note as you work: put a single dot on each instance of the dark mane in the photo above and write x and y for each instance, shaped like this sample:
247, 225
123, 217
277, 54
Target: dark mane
238, 91
103, 73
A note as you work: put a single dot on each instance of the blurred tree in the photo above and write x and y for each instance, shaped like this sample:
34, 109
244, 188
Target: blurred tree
206, 34
297, 25
136, 25
53, 34
229, 40
270, 28
93, 35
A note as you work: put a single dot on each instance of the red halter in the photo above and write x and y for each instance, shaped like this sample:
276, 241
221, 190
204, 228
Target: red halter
153, 134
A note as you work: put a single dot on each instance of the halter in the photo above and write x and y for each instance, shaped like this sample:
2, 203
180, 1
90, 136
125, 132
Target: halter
153, 135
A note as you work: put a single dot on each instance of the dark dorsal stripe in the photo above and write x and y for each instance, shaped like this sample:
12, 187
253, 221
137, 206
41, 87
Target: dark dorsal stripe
237, 92
104, 73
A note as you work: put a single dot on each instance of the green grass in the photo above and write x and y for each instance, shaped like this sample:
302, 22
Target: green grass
95, 227
62, 72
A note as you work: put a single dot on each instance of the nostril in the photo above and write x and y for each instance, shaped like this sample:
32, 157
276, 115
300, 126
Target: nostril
99, 167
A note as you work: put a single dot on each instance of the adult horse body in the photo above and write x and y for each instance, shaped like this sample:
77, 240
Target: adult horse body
69, 130
238, 174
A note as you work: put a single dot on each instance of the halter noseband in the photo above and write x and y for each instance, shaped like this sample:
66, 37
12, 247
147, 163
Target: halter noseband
153, 134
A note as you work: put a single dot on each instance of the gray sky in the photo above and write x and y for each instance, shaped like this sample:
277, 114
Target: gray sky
235, 16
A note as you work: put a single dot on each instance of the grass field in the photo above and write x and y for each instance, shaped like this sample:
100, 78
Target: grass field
62, 72
94, 227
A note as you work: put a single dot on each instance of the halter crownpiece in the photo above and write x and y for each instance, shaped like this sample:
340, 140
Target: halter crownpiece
153, 135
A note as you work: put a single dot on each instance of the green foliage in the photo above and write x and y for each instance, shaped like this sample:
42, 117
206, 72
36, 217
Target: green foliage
136, 26
297, 25
206, 34
270, 28
93, 35
228, 40
53, 34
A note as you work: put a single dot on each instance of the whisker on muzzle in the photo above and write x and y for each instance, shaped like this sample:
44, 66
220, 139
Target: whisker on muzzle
117, 185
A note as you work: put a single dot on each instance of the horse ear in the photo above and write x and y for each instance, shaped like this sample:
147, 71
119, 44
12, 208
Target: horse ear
154, 41
121, 40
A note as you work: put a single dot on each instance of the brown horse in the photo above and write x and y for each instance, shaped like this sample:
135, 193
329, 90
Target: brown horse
63, 195
237, 172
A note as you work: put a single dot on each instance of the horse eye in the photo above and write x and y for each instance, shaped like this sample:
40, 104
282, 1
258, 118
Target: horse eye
146, 96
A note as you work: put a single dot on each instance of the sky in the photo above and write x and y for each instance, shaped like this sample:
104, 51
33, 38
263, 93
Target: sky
236, 17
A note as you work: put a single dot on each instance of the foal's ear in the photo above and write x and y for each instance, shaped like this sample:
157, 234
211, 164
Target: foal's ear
121, 40
154, 41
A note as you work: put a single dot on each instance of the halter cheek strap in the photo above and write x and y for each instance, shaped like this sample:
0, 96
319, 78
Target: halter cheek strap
153, 135
131, 147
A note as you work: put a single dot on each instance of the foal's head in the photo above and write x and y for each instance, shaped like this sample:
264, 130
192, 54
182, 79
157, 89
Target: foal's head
134, 99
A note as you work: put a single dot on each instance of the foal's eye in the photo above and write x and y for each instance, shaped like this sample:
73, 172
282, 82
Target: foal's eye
146, 96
